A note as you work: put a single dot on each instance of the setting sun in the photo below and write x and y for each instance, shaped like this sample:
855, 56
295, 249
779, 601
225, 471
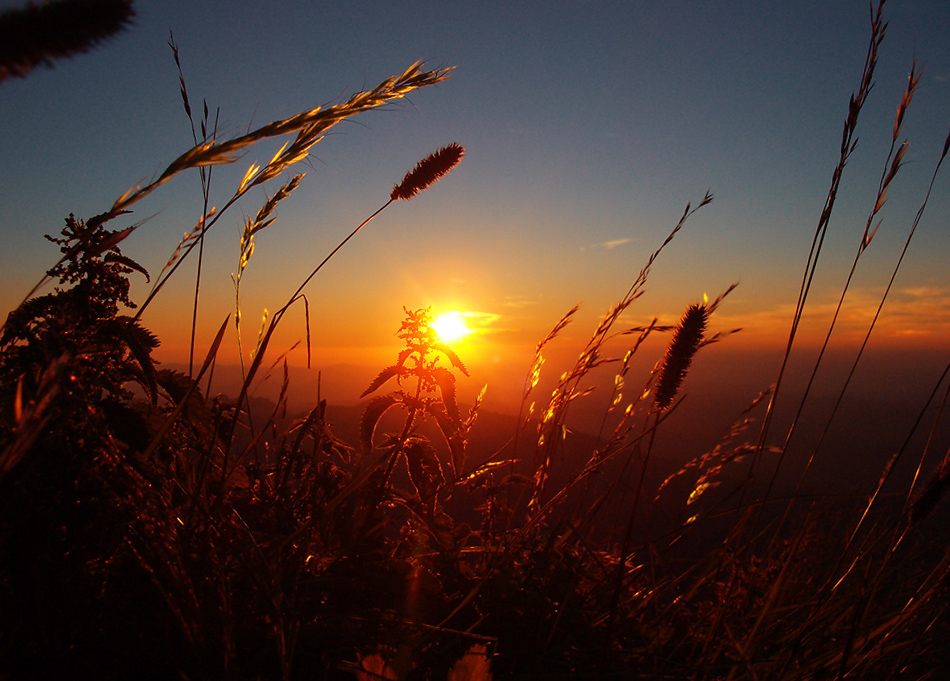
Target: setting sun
451, 326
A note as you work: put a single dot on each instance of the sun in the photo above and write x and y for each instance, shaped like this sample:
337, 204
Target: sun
451, 326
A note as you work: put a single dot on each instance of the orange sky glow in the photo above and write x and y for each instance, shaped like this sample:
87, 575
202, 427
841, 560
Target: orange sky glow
578, 162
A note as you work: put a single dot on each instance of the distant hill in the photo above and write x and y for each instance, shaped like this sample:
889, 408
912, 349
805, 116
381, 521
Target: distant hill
872, 423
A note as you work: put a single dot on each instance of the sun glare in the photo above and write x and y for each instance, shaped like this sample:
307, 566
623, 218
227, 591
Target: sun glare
451, 326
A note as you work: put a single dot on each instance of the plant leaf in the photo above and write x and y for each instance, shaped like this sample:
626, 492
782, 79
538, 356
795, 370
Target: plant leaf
140, 342
384, 375
128, 262
371, 415
445, 379
404, 355
450, 353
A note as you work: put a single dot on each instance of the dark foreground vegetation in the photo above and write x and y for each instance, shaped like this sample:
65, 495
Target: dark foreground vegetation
150, 529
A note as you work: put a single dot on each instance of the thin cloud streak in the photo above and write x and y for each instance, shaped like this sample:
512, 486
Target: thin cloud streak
606, 245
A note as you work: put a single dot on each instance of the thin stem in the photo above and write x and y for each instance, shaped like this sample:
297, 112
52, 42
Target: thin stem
847, 146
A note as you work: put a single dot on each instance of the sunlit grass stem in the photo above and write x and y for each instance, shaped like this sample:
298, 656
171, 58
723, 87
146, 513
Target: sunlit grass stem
892, 165
848, 142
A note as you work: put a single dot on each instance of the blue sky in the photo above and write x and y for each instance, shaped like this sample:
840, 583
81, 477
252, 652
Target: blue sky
588, 127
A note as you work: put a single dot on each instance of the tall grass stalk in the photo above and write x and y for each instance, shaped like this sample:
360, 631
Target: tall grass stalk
892, 165
848, 143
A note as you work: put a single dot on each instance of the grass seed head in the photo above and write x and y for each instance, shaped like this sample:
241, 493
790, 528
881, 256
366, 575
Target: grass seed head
687, 337
428, 171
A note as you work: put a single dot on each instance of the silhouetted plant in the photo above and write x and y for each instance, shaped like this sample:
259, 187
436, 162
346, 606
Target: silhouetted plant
38, 34
77, 330
432, 397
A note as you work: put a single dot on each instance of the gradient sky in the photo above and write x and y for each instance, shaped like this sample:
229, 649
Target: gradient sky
588, 127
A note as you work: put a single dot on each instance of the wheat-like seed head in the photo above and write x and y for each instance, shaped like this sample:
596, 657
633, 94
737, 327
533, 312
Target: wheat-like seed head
309, 126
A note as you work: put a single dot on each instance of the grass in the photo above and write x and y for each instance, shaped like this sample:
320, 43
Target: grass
182, 535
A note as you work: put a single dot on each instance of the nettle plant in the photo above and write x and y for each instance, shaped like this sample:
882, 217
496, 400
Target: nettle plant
429, 394
68, 357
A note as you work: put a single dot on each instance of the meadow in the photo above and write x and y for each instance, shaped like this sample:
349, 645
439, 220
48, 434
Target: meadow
152, 527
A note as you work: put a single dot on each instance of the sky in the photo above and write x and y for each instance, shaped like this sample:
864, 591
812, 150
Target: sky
588, 127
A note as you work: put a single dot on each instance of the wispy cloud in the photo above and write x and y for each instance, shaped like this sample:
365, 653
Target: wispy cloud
916, 311
483, 322
518, 302
606, 245
925, 292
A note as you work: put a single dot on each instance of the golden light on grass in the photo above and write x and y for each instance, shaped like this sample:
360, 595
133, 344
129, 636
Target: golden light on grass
451, 326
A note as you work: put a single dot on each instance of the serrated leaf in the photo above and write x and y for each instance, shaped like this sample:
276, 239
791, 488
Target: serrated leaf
175, 383
450, 353
110, 241
371, 415
445, 379
140, 342
128, 262
384, 375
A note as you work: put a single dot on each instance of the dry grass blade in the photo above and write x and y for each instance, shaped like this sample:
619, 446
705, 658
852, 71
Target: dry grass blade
551, 429
186, 239
309, 127
252, 227
855, 104
877, 313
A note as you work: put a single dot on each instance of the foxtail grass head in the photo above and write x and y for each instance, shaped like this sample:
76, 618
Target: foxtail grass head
428, 171
687, 337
